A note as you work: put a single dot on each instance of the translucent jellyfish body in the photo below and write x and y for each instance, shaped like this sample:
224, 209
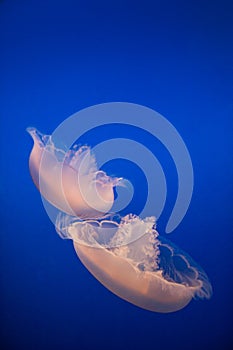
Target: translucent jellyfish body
146, 271
70, 181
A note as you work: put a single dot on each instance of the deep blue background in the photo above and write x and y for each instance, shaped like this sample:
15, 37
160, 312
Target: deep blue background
58, 57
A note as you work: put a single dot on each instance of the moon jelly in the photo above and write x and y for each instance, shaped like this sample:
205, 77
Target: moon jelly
70, 181
149, 272
127, 255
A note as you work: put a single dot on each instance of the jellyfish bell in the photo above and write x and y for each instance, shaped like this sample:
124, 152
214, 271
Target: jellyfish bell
70, 181
139, 268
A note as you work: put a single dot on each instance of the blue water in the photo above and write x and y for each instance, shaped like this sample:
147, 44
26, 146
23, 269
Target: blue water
58, 57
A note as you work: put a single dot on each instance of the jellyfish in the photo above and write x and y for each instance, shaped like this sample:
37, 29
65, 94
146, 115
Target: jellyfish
125, 254
70, 181
149, 272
